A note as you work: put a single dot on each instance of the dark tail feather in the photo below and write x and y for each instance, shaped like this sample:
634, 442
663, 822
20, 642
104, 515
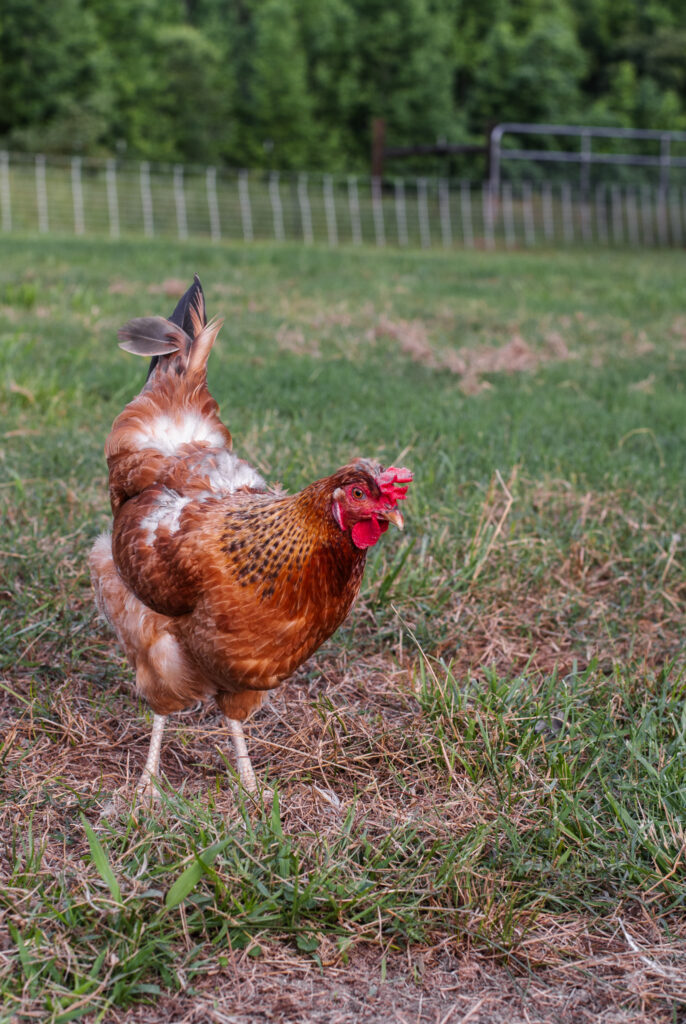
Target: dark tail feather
193, 299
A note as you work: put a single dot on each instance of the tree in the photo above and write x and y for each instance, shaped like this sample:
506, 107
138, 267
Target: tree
529, 70
53, 77
274, 107
167, 98
372, 58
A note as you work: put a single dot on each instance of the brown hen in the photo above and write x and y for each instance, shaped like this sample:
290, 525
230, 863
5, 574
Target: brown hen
216, 585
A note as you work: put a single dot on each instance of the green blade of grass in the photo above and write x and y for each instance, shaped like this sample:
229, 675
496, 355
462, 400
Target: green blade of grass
188, 879
101, 862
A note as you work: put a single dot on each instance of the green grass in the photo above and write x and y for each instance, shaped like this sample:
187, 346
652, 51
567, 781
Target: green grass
502, 715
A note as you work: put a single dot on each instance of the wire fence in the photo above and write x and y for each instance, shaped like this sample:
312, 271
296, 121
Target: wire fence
117, 199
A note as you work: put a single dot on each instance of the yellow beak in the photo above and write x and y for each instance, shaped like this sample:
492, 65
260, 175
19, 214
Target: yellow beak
395, 516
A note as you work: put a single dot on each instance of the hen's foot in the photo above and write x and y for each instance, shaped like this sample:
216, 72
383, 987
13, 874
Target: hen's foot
246, 773
123, 802
146, 790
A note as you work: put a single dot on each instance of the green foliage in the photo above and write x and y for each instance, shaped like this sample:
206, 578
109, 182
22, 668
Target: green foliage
53, 76
296, 83
274, 108
533, 66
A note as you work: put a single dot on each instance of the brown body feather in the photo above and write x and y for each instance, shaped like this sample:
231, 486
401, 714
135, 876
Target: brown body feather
216, 585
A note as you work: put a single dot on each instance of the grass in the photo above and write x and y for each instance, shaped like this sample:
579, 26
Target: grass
502, 716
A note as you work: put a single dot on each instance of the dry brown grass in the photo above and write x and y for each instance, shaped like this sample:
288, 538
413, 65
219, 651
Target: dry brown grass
612, 984
534, 603
471, 364
366, 743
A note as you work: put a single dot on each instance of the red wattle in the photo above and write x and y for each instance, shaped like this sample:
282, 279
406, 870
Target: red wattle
367, 532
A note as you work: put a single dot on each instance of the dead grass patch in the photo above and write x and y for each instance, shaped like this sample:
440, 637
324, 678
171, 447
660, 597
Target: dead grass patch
171, 287
609, 983
471, 364
533, 602
363, 741
292, 339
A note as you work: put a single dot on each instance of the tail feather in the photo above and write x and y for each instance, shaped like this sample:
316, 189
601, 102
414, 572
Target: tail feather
189, 315
153, 336
202, 346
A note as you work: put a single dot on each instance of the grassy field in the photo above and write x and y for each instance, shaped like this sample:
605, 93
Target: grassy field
502, 716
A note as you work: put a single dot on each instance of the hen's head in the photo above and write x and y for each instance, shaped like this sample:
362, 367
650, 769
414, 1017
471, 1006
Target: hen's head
365, 500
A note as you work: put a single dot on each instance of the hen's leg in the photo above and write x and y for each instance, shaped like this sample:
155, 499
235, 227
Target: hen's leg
245, 769
152, 765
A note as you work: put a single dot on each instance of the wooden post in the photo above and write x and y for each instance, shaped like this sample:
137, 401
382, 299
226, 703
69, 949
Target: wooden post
378, 145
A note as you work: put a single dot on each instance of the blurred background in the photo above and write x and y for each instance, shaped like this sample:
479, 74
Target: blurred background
341, 120
295, 84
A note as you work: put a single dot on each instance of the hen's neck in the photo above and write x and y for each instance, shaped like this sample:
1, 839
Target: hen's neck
292, 540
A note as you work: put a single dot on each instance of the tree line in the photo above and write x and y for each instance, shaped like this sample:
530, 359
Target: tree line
296, 83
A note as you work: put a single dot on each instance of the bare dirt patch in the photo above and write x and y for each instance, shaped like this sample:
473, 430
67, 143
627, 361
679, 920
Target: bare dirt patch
171, 287
611, 984
471, 364
292, 339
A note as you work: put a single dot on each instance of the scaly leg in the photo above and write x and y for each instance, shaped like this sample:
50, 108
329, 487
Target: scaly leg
245, 769
152, 765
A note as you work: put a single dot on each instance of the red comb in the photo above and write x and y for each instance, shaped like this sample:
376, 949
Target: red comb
391, 482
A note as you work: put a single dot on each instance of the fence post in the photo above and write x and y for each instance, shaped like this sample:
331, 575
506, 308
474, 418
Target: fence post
601, 214
508, 214
180, 202
423, 214
661, 215
528, 211
5, 195
493, 158
548, 215
466, 213
244, 202
146, 200
77, 195
444, 212
617, 220
567, 212
487, 203
277, 208
377, 212
41, 195
330, 210
400, 211
354, 207
305, 210
585, 213
213, 203
112, 198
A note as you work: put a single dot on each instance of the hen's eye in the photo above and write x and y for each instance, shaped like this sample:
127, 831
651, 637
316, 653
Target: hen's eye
357, 493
